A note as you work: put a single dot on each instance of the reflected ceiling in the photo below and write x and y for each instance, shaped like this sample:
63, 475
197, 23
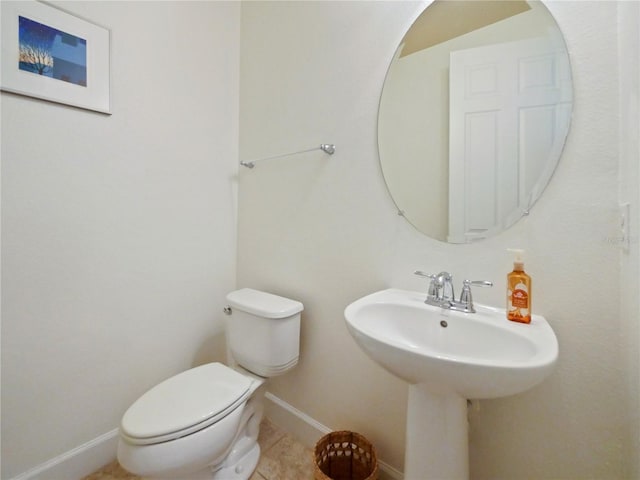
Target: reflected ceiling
449, 19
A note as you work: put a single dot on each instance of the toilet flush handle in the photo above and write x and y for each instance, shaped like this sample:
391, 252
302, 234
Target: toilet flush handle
227, 310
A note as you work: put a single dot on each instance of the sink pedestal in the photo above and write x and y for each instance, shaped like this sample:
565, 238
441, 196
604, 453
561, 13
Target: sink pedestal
437, 436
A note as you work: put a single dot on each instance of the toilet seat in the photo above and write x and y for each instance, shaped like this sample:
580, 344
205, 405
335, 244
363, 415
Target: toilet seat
184, 404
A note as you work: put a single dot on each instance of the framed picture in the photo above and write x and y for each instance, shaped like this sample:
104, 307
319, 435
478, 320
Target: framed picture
53, 55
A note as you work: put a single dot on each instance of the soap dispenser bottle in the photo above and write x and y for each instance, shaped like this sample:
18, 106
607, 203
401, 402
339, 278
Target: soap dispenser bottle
518, 291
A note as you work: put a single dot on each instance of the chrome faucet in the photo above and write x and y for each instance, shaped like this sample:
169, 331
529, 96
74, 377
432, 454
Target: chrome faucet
441, 294
440, 288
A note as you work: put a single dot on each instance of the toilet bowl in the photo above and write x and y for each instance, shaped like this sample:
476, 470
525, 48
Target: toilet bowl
203, 424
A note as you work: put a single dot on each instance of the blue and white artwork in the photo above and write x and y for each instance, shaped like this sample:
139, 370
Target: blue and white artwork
52, 53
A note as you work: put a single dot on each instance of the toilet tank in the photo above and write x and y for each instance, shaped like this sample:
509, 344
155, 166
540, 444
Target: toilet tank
263, 331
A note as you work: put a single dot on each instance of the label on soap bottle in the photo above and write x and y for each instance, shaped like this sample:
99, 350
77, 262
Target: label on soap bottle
520, 298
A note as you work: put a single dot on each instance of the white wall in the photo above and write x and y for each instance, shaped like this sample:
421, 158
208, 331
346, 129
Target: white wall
629, 84
324, 231
118, 232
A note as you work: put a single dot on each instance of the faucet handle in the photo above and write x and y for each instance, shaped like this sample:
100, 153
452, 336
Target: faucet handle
477, 283
426, 275
433, 285
466, 298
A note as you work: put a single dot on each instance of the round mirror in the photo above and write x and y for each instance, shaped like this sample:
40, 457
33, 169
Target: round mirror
473, 116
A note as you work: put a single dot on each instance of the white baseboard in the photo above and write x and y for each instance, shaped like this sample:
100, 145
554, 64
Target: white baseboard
91, 456
77, 463
308, 430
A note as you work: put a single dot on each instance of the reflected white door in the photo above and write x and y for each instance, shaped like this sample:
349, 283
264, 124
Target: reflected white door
508, 107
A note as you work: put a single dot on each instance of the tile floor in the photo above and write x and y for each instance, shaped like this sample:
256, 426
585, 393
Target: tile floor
282, 458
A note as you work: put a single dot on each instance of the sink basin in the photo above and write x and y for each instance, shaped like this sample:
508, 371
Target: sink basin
448, 357
476, 355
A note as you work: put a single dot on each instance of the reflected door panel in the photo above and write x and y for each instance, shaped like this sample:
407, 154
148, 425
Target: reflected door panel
506, 112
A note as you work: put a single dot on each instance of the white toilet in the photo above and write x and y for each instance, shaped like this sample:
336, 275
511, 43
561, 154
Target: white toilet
203, 424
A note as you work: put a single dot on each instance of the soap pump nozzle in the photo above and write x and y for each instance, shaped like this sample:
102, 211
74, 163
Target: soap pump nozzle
518, 260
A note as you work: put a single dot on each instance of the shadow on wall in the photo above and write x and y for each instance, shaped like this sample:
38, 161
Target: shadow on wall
212, 349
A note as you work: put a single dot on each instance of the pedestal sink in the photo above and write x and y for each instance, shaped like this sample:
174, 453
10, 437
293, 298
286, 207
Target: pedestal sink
448, 357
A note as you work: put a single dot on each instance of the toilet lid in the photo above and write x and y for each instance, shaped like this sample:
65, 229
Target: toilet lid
185, 403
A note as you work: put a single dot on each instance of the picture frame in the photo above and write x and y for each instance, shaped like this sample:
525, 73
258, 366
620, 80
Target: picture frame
55, 56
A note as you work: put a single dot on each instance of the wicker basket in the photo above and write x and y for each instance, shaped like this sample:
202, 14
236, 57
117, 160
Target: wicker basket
345, 455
